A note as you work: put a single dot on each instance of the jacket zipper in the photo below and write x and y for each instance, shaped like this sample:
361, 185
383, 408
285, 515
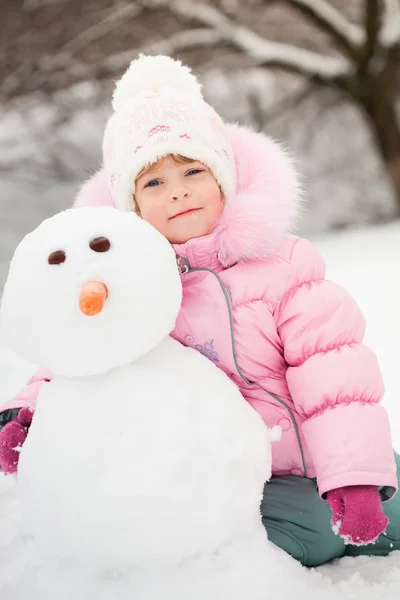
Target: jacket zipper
184, 270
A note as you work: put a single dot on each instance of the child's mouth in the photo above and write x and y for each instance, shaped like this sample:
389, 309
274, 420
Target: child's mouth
185, 213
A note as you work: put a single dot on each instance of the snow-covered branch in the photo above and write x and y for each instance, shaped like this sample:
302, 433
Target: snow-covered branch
332, 21
289, 57
262, 51
389, 34
95, 32
116, 63
63, 63
175, 43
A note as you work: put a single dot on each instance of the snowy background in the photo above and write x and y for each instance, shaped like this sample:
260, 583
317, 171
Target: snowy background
58, 59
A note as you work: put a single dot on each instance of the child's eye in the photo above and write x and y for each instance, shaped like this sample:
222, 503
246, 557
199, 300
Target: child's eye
194, 171
153, 183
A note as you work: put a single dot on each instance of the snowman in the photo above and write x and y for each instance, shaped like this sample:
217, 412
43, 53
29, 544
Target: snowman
142, 456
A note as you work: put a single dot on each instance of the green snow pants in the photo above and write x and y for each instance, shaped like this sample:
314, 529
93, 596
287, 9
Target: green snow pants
298, 521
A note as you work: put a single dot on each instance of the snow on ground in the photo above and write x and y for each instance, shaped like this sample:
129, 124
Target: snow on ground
366, 263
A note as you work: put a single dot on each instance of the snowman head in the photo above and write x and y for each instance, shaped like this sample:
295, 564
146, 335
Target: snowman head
89, 290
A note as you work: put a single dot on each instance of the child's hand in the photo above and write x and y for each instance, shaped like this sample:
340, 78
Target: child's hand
357, 514
12, 436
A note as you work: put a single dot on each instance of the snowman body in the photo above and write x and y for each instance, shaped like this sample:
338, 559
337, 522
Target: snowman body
143, 457
153, 462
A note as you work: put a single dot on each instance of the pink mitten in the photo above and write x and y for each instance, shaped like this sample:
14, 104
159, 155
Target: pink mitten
357, 514
12, 436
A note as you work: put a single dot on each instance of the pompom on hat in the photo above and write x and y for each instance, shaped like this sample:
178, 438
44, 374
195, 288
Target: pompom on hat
159, 110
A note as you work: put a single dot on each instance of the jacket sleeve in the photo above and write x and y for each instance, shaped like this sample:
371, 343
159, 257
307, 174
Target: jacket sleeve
334, 380
28, 395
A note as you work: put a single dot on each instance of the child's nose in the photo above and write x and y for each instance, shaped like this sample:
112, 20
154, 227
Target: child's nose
180, 194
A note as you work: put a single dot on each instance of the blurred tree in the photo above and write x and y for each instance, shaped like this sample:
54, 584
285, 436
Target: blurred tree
338, 48
371, 76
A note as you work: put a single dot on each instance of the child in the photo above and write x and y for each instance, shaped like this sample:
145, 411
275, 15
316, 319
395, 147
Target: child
256, 302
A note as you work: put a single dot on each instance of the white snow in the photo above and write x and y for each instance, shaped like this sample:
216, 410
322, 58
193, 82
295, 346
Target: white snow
389, 33
366, 262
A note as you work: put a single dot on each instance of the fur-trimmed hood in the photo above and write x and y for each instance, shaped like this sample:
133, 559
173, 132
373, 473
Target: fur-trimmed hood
266, 205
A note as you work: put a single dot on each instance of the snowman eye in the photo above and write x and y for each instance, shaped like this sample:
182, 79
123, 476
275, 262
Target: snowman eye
57, 257
100, 244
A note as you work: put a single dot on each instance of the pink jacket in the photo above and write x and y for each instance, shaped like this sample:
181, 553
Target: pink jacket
256, 302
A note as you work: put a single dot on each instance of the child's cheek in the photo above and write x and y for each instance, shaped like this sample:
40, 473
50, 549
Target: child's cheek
153, 214
217, 202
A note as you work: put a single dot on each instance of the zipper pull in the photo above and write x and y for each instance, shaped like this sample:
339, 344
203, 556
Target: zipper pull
183, 265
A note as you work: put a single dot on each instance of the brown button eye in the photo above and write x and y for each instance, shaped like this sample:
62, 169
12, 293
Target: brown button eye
100, 244
57, 257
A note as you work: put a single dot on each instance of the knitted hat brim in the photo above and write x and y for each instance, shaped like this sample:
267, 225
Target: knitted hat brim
222, 170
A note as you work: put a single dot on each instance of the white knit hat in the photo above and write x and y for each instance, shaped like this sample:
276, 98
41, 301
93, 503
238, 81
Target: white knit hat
159, 110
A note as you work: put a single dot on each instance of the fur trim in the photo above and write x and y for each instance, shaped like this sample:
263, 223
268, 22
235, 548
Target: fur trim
268, 199
266, 206
94, 192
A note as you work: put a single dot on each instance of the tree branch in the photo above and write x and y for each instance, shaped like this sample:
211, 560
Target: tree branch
372, 24
113, 65
312, 64
66, 68
95, 32
389, 34
182, 40
262, 51
62, 61
347, 35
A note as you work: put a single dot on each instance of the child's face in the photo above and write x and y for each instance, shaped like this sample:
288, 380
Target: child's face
182, 201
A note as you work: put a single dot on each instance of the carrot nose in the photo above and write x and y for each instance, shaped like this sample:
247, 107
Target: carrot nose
92, 298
